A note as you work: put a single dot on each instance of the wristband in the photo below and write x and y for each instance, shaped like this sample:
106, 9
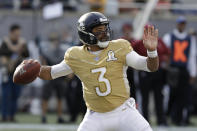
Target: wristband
152, 54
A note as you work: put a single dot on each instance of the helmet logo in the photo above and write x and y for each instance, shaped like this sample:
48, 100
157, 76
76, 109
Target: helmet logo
103, 19
81, 25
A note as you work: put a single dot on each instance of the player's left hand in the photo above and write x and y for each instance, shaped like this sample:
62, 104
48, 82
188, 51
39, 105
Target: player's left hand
150, 38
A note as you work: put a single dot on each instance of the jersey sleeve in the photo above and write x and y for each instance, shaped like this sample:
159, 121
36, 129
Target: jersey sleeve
71, 57
59, 70
126, 48
136, 61
67, 55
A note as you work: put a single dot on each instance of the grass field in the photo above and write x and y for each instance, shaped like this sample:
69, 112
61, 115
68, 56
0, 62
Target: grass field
50, 127
27, 122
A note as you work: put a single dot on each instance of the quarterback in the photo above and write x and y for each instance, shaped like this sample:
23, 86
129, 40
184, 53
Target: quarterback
101, 65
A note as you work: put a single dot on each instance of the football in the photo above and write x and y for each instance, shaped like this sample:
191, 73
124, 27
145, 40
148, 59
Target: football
26, 72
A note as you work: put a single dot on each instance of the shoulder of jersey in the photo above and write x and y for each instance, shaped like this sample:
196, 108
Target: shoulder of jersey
74, 50
120, 42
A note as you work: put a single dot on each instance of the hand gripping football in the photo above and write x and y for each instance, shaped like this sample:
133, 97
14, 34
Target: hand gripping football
26, 72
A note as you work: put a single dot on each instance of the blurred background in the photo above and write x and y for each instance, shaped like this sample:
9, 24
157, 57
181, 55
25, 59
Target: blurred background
45, 29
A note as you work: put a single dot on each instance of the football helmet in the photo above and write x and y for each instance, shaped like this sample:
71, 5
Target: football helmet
85, 25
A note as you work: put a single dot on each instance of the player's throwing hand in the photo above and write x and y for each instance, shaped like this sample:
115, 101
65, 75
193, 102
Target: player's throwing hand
150, 38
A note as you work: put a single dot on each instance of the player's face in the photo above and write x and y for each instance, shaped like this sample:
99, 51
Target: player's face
181, 26
54, 41
127, 32
15, 35
101, 33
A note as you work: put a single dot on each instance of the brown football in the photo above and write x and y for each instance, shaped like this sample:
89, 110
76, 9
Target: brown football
26, 72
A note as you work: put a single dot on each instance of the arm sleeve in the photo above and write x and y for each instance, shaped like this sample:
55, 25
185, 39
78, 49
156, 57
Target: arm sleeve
61, 69
192, 58
136, 61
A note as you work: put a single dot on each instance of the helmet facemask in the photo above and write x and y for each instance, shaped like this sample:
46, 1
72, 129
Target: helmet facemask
103, 37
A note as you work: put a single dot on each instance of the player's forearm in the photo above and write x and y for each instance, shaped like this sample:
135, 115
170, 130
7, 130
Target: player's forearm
153, 64
55, 71
45, 73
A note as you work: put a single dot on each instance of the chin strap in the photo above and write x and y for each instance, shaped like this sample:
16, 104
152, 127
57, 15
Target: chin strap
103, 44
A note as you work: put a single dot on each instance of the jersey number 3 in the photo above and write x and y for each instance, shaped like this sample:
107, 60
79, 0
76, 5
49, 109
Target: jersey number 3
101, 78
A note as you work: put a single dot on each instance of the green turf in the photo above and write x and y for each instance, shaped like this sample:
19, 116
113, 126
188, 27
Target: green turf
194, 121
52, 119
36, 119
25, 119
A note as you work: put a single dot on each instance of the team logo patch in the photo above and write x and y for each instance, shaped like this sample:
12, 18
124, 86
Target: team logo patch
111, 56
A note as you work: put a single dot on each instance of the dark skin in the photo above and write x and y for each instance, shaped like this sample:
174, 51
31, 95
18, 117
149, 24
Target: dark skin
100, 37
181, 26
150, 40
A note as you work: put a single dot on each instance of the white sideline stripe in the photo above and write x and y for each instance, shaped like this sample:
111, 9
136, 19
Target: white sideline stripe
53, 127
38, 126
174, 129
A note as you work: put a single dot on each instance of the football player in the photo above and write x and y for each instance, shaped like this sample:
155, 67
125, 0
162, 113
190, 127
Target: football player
101, 65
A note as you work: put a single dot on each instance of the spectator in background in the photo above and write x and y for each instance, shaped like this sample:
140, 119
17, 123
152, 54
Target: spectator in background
55, 56
183, 61
146, 81
163, 3
8, 4
126, 9
74, 97
67, 38
127, 30
140, 1
146, 78
26, 4
97, 5
73, 90
12, 51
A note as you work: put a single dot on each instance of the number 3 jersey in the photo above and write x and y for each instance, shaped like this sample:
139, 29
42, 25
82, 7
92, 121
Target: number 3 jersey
103, 75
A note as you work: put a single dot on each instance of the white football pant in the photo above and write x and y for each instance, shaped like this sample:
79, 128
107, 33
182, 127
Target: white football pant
124, 118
